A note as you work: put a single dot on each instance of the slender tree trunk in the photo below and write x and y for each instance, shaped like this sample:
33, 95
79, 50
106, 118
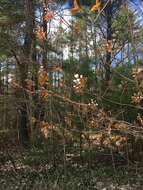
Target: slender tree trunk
40, 107
86, 42
109, 39
23, 69
1, 88
45, 49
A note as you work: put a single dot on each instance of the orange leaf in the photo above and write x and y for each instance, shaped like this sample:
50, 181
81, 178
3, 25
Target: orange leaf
77, 28
48, 16
109, 46
40, 34
96, 7
43, 77
75, 9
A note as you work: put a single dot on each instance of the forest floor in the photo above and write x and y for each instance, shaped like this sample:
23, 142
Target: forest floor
32, 170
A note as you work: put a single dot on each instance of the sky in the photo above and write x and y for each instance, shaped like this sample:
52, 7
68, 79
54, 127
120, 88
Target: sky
138, 6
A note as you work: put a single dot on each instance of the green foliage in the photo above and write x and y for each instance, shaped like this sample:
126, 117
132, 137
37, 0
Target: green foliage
11, 12
123, 22
118, 100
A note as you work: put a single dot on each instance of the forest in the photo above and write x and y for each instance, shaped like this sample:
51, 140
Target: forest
71, 94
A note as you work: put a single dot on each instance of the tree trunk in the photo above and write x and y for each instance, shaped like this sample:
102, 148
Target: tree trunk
23, 69
40, 108
45, 49
109, 39
1, 85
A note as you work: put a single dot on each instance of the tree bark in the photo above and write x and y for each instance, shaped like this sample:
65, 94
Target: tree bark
41, 109
109, 39
45, 49
23, 69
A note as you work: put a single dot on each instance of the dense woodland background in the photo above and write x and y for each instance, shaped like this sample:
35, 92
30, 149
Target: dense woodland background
71, 94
